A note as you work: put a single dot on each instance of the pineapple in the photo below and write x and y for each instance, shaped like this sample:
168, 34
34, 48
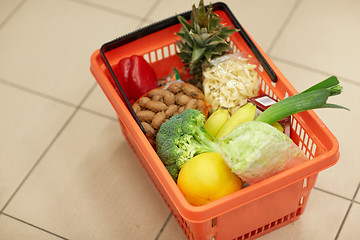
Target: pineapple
202, 40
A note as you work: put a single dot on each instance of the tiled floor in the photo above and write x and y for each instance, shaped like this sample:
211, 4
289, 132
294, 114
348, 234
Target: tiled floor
67, 172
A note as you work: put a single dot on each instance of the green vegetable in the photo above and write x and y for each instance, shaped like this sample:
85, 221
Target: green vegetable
182, 137
254, 150
312, 98
173, 170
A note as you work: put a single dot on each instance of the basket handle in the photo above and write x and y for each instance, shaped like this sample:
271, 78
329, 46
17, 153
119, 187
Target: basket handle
223, 7
142, 32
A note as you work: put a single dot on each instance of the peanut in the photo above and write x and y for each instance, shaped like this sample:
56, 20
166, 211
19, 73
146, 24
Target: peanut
143, 101
201, 106
169, 98
182, 99
145, 116
175, 87
180, 109
152, 141
192, 104
192, 91
149, 130
136, 107
157, 91
159, 98
155, 106
158, 119
164, 95
171, 110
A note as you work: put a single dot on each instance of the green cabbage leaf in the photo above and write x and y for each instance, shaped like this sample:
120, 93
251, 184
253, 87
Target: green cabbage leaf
256, 150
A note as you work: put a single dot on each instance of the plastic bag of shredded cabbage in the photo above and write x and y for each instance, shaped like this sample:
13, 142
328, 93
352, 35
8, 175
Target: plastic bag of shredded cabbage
255, 151
232, 79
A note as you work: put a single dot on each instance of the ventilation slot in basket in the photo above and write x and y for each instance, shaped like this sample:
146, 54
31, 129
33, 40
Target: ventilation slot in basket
161, 53
306, 144
186, 229
267, 227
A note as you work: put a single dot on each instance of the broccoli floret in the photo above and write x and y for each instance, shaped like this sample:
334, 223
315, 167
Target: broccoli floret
173, 170
182, 137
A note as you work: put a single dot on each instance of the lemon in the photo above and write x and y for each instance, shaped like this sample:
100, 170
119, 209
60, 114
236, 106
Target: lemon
206, 177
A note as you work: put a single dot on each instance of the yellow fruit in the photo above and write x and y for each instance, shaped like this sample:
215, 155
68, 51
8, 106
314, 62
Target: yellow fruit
216, 121
244, 114
278, 126
206, 177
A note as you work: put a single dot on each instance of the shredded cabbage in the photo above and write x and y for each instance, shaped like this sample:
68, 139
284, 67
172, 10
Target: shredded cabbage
256, 150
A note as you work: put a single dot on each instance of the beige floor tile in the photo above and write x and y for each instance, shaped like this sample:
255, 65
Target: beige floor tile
89, 184
98, 102
350, 229
323, 35
46, 45
165, 9
28, 124
6, 8
342, 178
321, 220
11, 229
254, 16
137, 8
91, 180
172, 231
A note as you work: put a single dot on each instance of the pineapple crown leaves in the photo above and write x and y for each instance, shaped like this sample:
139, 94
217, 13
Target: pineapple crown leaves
203, 39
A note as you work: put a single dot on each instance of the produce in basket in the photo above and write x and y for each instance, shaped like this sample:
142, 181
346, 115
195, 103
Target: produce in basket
136, 76
203, 39
159, 104
254, 150
266, 151
206, 177
230, 81
242, 115
216, 121
181, 138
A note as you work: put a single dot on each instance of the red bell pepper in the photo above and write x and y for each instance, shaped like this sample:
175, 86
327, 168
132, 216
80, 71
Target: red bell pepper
136, 76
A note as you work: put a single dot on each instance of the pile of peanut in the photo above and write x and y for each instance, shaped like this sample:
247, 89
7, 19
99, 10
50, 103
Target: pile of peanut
160, 104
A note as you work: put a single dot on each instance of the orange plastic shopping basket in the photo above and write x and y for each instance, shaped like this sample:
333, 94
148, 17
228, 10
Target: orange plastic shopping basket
255, 210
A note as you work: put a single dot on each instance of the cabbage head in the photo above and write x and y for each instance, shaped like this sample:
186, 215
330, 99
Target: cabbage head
256, 150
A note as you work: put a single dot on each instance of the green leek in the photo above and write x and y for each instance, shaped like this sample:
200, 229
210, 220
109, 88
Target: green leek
312, 98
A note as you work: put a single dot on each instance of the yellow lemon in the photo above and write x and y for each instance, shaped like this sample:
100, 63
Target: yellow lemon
206, 177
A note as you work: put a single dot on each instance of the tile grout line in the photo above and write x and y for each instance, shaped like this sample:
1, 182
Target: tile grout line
313, 69
99, 114
2, 24
333, 194
163, 227
40, 94
47, 149
107, 9
32, 225
347, 213
283, 26
145, 18
49, 97
39, 160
